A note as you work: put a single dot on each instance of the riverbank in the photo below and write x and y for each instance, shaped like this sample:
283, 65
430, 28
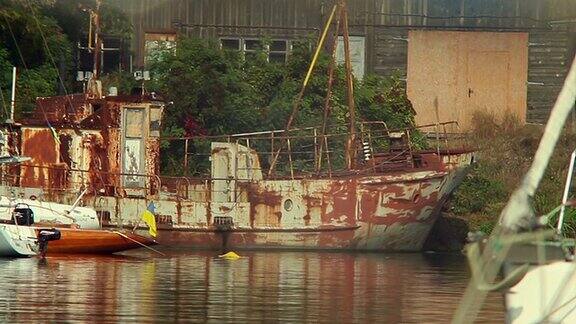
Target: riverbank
504, 153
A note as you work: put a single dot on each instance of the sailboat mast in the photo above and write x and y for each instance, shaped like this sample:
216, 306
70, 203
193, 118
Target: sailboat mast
350, 145
13, 98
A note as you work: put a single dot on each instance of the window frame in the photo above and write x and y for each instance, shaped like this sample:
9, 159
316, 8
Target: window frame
266, 47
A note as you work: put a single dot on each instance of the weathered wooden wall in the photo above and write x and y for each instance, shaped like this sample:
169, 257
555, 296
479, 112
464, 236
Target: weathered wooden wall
385, 25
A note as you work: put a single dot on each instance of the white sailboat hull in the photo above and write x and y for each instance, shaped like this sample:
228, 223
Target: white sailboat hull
17, 241
547, 294
52, 213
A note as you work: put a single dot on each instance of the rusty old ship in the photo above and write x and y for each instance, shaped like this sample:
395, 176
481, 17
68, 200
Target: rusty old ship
111, 147
257, 193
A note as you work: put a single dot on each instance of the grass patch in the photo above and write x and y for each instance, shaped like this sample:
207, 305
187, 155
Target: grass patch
505, 149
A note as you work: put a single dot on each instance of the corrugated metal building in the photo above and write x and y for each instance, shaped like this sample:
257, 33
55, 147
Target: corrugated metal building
458, 55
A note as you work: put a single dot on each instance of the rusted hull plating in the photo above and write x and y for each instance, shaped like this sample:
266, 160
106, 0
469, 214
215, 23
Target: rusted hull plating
383, 212
391, 212
380, 213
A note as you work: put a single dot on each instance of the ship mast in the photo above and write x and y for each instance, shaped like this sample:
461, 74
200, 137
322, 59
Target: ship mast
95, 17
94, 88
350, 148
350, 144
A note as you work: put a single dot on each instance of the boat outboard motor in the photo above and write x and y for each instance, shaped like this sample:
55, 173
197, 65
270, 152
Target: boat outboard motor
46, 235
23, 215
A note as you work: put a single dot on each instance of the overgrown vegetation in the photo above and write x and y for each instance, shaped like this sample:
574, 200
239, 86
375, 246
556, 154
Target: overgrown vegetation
218, 92
505, 151
213, 91
38, 37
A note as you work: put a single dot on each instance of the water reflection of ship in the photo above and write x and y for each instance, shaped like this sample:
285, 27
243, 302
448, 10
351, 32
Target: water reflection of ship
262, 287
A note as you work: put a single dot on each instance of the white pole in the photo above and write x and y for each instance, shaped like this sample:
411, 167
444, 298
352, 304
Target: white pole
566, 192
13, 102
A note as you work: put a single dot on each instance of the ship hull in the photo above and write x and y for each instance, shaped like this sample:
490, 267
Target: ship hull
405, 238
373, 213
392, 211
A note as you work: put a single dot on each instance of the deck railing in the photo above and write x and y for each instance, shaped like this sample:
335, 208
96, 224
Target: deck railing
306, 152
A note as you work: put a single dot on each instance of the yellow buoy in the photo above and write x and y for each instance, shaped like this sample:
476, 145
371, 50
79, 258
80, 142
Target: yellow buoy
230, 256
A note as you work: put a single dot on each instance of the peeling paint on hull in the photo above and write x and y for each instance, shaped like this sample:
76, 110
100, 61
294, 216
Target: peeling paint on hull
361, 224
371, 213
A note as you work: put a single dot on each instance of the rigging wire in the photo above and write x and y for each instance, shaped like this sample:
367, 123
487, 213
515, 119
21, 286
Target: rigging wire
39, 104
67, 95
51, 56
25, 67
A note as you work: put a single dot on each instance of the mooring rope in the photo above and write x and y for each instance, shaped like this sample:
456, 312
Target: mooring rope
143, 245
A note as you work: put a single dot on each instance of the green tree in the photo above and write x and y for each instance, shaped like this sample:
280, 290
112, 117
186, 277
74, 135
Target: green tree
38, 37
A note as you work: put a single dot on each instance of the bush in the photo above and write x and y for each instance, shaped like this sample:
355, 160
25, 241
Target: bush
505, 150
218, 92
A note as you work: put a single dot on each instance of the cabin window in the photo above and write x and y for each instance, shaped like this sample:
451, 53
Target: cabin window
104, 216
276, 50
96, 107
155, 119
134, 122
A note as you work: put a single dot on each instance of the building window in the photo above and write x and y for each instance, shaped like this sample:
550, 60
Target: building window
357, 50
114, 54
230, 44
277, 50
252, 47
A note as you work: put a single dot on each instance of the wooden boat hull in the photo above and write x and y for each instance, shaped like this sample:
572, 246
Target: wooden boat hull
82, 241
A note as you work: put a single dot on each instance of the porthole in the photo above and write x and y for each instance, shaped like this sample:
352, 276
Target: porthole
288, 204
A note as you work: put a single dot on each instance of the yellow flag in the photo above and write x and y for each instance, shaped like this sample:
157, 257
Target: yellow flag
150, 220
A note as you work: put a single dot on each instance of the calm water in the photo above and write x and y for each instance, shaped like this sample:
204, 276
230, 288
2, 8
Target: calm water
260, 287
